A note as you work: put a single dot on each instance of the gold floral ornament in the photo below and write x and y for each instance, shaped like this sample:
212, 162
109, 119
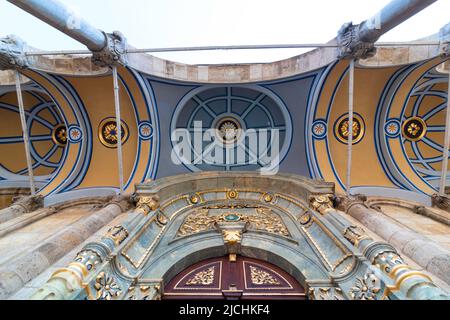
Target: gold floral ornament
108, 133
107, 287
342, 128
204, 278
261, 277
366, 288
59, 135
232, 194
414, 129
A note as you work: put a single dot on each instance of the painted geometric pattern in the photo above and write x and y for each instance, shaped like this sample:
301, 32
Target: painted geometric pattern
427, 103
42, 117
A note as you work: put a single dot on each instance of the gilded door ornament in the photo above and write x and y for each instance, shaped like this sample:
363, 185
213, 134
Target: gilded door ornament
106, 287
261, 277
145, 205
232, 237
204, 278
232, 194
322, 204
414, 129
366, 288
342, 130
198, 221
108, 133
118, 234
263, 219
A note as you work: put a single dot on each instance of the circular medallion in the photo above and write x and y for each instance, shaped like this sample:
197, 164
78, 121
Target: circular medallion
392, 128
75, 134
341, 128
228, 130
232, 217
233, 194
414, 129
195, 198
268, 197
59, 135
145, 130
107, 132
319, 129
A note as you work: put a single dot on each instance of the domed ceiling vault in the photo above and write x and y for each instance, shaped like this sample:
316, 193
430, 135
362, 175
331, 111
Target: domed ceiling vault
309, 110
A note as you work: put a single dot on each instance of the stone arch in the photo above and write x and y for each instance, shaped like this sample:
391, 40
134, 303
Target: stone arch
278, 252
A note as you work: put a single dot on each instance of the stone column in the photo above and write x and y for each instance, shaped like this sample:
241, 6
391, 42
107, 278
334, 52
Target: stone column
425, 252
402, 282
16, 273
21, 206
66, 283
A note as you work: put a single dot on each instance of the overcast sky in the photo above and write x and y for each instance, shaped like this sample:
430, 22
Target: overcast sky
174, 23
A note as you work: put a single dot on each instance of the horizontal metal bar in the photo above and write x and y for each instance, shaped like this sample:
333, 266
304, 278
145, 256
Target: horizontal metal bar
236, 47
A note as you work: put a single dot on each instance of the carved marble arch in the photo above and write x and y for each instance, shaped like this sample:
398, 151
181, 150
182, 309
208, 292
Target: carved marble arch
284, 220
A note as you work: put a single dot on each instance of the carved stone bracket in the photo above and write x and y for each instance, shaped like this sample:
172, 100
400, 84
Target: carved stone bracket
147, 204
232, 235
113, 53
350, 44
12, 53
322, 203
29, 203
441, 202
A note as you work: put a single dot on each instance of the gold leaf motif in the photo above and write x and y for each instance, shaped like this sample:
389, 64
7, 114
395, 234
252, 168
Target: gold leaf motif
264, 219
204, 278
261, 277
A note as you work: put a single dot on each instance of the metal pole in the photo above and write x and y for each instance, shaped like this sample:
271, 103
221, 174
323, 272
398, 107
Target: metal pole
26, 139
59, 16
235, 47
393, 14
351, 79
446, 143
119, 126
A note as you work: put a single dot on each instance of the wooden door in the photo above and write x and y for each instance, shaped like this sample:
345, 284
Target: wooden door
244, 279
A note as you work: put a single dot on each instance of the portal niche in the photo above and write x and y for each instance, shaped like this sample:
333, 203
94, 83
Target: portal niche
240, 279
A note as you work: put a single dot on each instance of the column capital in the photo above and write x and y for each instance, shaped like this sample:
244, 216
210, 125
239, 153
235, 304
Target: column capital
344, 203
125, 202
146, 203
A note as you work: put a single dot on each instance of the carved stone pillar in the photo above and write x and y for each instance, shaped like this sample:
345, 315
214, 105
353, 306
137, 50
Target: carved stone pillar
425, 252
21, 206
25, 267
407, 283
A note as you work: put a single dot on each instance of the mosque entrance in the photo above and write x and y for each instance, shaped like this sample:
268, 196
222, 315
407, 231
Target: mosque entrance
234, 278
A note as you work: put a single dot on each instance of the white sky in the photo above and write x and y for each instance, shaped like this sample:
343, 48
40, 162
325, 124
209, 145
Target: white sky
174, 23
